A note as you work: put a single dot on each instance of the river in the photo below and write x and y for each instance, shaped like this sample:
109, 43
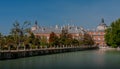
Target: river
90, 59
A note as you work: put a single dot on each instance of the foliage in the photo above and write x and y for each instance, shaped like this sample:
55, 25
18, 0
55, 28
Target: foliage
112, 36
65, 38
43, 41
21, 37
88, 40
53, 40
17, 36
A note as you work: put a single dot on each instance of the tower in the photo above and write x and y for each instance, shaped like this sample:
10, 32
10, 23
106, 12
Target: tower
102, 20
102, 26
36, 23
35, 27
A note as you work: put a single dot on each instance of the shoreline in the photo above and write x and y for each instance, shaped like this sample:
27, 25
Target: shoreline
14, 54
109, 48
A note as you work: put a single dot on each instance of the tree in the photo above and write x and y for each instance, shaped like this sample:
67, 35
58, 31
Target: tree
88, 40
112, 36
31, 41
63, 37
1, 41
67, 39
53, 40
10, 42
18, 32
43, 41
75, 42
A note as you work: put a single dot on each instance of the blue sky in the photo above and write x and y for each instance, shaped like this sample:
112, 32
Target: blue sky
85, 13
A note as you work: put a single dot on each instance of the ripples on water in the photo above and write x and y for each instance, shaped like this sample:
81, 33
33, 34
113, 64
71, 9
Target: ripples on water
92, 59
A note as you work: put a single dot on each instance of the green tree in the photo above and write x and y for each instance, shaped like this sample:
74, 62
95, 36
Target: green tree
43, 41
63, 37
1, 41
75, 42
10, 42
112, 36
67, 39
31, 41
18, 32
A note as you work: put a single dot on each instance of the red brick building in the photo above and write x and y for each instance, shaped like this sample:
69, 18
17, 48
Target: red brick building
98, 34
40, 31
76, 32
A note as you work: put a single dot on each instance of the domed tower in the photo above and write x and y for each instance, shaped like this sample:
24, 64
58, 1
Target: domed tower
102, 26
35, 27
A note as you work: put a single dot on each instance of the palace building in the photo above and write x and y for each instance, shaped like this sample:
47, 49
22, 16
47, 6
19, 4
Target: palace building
40, 31
77, 32
98, 34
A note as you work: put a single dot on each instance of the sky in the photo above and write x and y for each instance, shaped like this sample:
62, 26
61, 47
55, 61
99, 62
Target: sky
85, 13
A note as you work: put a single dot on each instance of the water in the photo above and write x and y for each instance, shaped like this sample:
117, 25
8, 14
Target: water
92, 59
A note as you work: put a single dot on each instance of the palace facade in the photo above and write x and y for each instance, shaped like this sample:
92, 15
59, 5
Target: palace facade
77, 32
40, 31
98, 34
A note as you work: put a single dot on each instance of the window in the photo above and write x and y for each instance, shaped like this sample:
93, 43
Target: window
94, 33
103, 38
99, 33
47, 37
99, 39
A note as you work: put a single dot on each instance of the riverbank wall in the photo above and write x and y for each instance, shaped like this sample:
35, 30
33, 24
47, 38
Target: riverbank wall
14, 54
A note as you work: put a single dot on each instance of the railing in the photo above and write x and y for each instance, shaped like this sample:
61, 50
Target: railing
50, 48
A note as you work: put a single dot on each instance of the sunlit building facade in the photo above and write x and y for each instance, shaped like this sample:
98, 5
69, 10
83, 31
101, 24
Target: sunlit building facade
77, 32
40, 31
98, 34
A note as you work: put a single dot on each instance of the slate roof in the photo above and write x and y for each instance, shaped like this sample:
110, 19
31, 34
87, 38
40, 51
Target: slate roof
47, 30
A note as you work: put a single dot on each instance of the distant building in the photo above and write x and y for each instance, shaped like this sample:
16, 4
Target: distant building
41, 32
98, 34
77, 32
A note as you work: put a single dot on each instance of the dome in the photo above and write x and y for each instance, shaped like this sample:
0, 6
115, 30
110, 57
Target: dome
102, 26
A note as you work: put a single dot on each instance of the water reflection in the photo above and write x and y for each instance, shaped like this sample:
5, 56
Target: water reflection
101, 58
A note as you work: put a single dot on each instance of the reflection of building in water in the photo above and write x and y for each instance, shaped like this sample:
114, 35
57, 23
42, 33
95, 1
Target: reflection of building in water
76, 31
98, 33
